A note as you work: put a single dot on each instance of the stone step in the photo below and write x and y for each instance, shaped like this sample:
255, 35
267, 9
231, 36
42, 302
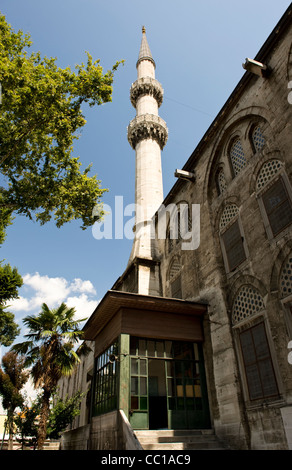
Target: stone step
193, 439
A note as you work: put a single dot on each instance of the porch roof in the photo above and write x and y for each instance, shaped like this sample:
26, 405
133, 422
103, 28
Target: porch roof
113, 301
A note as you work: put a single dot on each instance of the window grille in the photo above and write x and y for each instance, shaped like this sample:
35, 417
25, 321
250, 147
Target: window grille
237, 157
278, 206
258, 364
221, 182
233, 244
286, 278
229, 213
258, 138
176, 291
248, 302
268, 170
175, 269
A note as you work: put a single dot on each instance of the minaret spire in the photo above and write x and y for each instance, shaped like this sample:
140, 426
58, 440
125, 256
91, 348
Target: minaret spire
145, 53
147, 135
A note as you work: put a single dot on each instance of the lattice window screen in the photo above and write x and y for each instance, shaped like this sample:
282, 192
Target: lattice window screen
175, 269
268, 170
286, 278
248, 302
229, 213
221, 181
258, 138
237, 157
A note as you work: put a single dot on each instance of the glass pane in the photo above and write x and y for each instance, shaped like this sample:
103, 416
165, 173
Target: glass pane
170, 369
143, 367
142, 347
180, 404
260, 341
278, 206
196, 352
160, 348
168, 348
143, 403
134, 403
254, 383
151, 348
170, 387
143, 386
133, 346
134, 385
233, 244
189, 390
179, 390
247, 347
268, 379
197, 387
190, 403
134, 366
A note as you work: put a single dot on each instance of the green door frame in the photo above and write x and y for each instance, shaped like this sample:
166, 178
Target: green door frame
186, 390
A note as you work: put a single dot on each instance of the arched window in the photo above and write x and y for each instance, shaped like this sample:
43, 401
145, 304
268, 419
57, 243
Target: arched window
175, 279
267, 172
232, 239
274, 196
180, 224
247, 302
221, 181
237, 157
258, 140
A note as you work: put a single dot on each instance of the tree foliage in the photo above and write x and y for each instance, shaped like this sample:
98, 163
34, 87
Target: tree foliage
10, 282
40, 119
50, 353
62, 414
13, 376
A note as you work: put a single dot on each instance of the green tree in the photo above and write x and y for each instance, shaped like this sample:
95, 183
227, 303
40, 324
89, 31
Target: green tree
62, 414
10, 282
40, 119
12, 379
50, 353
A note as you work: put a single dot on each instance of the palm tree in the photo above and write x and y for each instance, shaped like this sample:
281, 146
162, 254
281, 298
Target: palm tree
50, 351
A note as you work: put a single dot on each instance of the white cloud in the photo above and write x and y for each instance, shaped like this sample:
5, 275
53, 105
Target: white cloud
38, 289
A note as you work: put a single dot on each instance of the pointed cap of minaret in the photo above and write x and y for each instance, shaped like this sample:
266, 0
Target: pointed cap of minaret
145, 53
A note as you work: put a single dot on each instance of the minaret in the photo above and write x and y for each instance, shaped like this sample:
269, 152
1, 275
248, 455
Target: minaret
147, 135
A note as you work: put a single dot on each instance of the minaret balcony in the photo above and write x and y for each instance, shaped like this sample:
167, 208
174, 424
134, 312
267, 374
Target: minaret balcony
146, 86
147, 126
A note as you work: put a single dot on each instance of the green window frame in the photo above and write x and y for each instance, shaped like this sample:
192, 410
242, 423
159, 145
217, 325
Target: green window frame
139, 384
105, 381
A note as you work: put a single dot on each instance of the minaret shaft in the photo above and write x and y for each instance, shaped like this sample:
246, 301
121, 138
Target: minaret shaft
147, 134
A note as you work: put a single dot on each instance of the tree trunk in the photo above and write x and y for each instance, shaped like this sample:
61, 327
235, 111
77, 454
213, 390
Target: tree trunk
10, 428
44, 414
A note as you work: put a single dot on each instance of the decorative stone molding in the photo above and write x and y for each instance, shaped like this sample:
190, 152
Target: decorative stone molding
146, 86
147, 126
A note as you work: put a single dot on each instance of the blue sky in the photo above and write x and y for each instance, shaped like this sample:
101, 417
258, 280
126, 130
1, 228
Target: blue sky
198, 47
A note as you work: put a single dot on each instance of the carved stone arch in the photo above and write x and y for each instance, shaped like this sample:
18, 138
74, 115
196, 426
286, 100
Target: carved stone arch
222, 138
229, 201
268, 155
174, 282
240, 287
